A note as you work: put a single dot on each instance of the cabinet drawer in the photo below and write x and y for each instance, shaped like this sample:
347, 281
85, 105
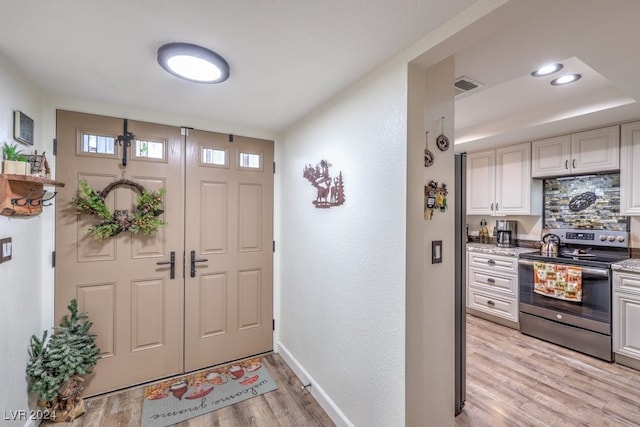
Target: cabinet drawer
626, 282
504, 307
482, 279
490, 262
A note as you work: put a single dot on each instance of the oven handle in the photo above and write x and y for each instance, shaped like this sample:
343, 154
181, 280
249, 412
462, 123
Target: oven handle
594, 271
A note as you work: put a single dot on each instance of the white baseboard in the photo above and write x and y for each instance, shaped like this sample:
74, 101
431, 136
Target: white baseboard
332, 410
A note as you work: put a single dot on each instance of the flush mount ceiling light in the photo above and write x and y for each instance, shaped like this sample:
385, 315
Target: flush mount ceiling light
566, 79
545, 70
193, 63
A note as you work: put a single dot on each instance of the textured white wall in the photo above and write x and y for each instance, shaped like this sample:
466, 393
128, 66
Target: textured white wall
342, 287
430, 287
28, 276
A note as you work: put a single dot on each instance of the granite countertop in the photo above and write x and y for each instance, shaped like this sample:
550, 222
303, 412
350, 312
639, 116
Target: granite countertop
493, 249
631, 265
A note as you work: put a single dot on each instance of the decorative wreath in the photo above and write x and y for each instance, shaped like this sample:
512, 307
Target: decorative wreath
145, 217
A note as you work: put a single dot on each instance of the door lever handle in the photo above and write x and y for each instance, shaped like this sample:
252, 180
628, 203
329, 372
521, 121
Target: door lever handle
172, 263
193, 263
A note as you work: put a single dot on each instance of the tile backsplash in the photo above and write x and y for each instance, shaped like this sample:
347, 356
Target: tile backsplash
590, 201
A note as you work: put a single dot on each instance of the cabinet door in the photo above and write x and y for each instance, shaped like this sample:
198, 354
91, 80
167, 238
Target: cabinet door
551, 157
595, 150
626, 336
626, 314
513, 180
630, 156
481, 183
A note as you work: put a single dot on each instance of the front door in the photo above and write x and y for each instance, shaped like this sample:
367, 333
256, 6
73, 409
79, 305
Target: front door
229, 235
149, 325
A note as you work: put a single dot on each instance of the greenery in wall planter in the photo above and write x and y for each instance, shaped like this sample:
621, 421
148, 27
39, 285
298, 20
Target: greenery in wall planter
14, 161
56, 366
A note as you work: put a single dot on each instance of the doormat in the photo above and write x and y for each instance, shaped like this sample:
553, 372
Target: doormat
172, 401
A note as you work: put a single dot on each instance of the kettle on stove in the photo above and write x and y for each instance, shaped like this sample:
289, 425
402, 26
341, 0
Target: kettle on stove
550, 243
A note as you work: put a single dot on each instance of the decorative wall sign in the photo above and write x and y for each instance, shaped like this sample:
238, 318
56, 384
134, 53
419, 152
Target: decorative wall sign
22, 127
435, 198
442, 141
428, 155
582, 201
330, 191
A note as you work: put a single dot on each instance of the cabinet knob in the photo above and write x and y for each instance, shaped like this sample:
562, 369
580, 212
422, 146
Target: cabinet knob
491, 262
491, 303
491, 280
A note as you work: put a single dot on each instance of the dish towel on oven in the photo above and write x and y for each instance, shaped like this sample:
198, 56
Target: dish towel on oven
558, 281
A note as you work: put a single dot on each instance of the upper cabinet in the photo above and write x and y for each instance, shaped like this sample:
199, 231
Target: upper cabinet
499, 182
591, 151
629, 156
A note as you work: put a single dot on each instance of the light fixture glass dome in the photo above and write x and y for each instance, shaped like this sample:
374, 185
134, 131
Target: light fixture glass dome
547, 69
193, 63
566, 79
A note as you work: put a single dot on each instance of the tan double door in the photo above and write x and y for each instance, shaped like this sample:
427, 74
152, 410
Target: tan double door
218, 207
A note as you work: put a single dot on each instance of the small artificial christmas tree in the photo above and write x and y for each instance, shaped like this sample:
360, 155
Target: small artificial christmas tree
55, 366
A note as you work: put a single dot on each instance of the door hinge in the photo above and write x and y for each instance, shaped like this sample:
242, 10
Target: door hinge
274, 167
230, 137
274, 246
273, 324
53, 259
55, 147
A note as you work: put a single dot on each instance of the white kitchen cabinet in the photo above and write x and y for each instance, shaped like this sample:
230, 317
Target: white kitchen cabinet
585, 152
492, 286
630, 156
626, 318
499, 182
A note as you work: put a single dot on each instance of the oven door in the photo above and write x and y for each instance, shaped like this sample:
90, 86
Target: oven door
589, 310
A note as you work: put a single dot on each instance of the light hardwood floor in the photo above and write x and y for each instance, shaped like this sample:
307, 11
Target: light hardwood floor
512, 380
516, 380
288, 406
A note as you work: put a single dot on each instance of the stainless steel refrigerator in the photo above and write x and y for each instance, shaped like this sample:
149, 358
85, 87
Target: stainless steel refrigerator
460, 279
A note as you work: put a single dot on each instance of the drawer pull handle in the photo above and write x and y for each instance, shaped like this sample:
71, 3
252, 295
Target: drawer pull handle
491, 280
491, 303
491, 262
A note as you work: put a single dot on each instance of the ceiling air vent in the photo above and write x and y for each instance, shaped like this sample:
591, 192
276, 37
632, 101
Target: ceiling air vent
465, 84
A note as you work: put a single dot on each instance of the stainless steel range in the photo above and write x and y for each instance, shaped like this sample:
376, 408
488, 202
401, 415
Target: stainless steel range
566, 298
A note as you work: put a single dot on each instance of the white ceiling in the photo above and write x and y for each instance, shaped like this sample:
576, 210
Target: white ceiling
287, 57
598, 39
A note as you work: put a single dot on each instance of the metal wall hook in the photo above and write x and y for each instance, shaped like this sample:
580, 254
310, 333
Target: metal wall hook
29, 200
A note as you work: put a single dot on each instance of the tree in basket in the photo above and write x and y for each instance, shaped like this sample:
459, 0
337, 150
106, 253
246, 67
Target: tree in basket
56, 366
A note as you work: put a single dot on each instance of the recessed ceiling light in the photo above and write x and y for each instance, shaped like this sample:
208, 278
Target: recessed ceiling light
193, 63
566, 79
545, 70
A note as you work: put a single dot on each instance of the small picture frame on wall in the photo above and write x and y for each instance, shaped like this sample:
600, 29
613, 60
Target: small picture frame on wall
22, 127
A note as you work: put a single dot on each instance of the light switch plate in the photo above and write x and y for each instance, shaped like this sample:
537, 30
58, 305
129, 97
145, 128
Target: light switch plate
5, 249
436, 251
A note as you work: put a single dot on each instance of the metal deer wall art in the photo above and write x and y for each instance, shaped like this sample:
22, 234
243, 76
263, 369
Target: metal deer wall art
329, 191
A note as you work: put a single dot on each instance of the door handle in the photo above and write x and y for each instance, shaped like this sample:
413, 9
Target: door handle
491, 280
193, 263
172, 263
573, 163
566, 164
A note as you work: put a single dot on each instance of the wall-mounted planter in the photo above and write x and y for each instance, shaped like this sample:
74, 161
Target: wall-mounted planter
16, 167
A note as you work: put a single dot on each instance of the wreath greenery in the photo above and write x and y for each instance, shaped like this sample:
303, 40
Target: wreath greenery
145, 218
